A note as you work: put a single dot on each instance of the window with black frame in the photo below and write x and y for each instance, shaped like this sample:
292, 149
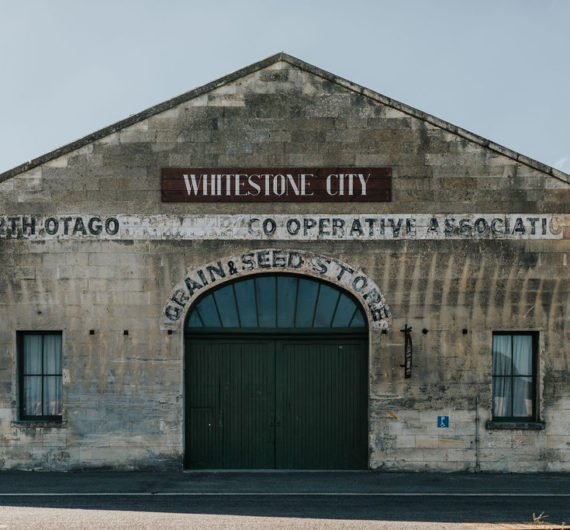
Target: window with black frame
514, 376
40, 376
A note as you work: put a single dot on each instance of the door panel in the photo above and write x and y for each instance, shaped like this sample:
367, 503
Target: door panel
235, 381
203, 431
321, 405
276, 403
248, 405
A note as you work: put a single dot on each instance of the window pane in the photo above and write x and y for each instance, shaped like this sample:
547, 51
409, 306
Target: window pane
52, 396
32, 354
358, 320
227, 306
502, 354
522, 355
246, 303
306, 303
344, 312
267, 304
52, 354
326, 306
286, 297
194, 320
502, 396
209, 313
276, 301
32, 405
522, 396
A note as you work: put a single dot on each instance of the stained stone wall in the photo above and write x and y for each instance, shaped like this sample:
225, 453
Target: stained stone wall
123, 394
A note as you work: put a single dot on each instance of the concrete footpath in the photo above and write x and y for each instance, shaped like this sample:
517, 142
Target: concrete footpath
282, 500
302, 482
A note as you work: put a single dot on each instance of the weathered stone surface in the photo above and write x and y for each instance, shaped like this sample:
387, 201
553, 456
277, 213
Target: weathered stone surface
123, 394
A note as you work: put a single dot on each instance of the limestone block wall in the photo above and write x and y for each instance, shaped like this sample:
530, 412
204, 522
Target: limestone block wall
123, 394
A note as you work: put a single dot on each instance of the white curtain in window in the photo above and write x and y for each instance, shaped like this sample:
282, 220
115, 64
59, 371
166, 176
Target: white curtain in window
32, 355
52, 379
522, 396
42, 383
32, 375
502, 396
52, 354
522, 365
501, 367
522, 355
52, 396
33, 395
502, 354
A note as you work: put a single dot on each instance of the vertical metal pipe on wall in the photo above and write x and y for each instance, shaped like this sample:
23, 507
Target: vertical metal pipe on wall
477, 463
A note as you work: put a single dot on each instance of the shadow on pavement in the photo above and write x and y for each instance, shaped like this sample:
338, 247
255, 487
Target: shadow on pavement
460, 498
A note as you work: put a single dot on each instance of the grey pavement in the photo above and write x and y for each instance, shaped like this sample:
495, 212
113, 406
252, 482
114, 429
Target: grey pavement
281, 499
266, 482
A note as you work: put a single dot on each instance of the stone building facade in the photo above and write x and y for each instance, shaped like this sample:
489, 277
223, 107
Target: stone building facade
109, 244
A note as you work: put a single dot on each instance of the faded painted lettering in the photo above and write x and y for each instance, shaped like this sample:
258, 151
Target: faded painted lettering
261, 261
287, 228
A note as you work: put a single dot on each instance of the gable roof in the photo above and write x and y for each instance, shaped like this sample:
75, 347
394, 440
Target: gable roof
166, 105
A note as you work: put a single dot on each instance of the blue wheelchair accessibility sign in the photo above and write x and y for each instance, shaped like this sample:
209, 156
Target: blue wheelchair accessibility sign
443, 422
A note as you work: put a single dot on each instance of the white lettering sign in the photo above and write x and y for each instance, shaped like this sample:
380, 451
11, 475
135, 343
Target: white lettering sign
308, 227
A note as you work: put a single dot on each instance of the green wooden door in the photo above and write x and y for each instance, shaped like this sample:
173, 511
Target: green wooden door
286, 403
321, 404
230, 407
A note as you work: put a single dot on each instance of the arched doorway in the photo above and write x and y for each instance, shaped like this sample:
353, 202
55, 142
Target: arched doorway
276, 376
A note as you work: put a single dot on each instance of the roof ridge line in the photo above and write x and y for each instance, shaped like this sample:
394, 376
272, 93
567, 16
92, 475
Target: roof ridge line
294, 61
139, 116
434, 120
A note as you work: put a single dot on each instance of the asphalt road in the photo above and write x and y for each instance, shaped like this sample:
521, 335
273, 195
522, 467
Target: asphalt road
281, 500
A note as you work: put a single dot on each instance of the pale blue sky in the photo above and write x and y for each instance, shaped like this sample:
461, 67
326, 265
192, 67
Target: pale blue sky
499, 68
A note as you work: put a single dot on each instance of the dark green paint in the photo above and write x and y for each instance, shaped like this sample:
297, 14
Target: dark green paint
288, 403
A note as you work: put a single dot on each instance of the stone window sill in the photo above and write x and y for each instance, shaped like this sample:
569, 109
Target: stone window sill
31, 424
515, 425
